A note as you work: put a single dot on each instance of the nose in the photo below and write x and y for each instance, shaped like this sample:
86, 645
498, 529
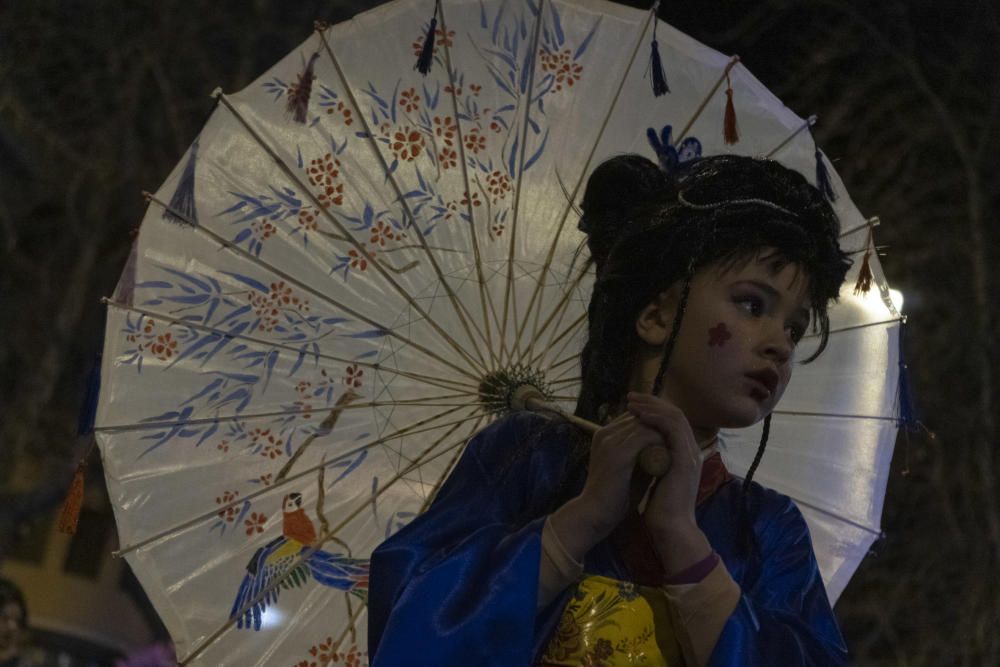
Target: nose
777, 346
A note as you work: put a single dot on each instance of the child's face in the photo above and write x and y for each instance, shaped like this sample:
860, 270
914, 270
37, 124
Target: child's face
732, 359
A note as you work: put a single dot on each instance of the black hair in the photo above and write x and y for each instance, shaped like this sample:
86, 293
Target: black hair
9, 592
643, 240
647, 231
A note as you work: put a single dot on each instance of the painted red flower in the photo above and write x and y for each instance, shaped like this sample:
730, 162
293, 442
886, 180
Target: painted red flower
255, 523
474, 201
358, 261
353, 375
409, 100
475, 142
448, 158
228, 513
445, 128
407, 143
164, 347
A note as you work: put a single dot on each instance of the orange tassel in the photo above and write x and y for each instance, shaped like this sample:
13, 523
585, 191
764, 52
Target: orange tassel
69, 517
865, 277
731, 132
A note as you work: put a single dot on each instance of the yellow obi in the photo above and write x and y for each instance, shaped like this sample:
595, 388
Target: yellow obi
611, 623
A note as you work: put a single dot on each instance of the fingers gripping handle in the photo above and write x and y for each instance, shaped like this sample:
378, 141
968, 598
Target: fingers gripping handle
654, 460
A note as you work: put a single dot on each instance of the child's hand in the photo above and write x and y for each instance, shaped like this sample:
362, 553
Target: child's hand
611, 474
613, 485
669, 513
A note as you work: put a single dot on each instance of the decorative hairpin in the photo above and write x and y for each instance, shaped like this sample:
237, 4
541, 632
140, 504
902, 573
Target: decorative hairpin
727, 202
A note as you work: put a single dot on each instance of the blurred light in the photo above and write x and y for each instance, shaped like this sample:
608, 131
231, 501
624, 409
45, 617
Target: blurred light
271, 618
897, 299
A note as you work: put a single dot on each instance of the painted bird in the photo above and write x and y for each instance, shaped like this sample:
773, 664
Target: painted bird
294, 553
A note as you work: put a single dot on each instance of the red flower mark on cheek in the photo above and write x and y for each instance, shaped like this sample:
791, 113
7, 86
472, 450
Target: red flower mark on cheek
718, 335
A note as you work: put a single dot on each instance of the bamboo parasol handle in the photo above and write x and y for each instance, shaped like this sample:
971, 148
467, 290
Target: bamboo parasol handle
654, 460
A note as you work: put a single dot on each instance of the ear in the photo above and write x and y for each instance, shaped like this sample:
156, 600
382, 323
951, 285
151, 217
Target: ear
655, 320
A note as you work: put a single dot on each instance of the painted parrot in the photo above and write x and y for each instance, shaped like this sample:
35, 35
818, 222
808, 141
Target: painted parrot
277, 557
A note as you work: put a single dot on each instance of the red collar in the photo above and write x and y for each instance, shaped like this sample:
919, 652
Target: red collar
632, 540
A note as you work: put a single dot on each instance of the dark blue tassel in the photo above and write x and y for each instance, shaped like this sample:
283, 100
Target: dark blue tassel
88, 410
823, 178
427, 52
907, 414
182, 203
659, 79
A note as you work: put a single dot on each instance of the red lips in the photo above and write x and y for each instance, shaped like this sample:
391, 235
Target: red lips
767, 377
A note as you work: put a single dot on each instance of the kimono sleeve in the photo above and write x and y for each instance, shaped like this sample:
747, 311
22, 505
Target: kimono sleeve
459, 585
783, 617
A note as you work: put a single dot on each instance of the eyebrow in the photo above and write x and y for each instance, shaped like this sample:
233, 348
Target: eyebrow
775, 294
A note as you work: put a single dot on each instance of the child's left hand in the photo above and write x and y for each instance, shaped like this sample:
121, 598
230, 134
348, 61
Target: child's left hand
669, 513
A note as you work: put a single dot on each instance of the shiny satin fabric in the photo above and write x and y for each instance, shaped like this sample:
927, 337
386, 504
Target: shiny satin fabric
458, 585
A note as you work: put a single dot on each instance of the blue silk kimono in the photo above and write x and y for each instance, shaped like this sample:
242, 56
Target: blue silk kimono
458, 586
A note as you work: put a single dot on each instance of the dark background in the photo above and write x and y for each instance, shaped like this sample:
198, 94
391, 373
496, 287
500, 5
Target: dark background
98, 100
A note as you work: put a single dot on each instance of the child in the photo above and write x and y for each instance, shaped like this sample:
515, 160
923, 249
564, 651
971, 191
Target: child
547, 547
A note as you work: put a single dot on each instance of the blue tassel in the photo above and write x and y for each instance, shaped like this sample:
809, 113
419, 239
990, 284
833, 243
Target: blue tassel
183, 200
907, 414
659, 79
427, 52
88, 410
823, 178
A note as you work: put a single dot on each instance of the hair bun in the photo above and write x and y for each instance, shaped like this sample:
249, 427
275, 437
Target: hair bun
616, 190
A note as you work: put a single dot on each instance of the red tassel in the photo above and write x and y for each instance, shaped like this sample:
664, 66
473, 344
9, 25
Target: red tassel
69, 517
731, 133
865, 277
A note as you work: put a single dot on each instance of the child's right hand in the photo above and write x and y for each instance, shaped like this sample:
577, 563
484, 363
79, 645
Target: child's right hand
613, 485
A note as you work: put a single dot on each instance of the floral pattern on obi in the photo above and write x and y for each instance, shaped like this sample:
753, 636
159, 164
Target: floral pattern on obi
611, 623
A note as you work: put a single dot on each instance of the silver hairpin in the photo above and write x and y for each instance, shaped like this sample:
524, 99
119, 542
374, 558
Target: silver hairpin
727, 202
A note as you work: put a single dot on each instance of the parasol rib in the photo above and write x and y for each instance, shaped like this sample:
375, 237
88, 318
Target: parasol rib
485, 297
313, 291
442, 383
360, 247
456, 304
306, 553
705, 100
894, 320
802, 128
834, 415
410, 430
555, 315
870, 223
447, 472
510, 296
570, 328
431, 402
651, 16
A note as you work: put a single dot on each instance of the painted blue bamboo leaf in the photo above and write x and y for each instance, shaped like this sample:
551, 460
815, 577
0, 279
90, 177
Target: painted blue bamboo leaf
210, 387
537, 154
160, 284
244, 378
248, 281
196, 346
557, 26
298, 362
373, 333
200, 284
354, 464
580, 50
512, 159
272, 359
208, 433
233, 314
508, 59
242, 236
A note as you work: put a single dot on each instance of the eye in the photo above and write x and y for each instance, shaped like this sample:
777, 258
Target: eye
751, 303
797, 331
